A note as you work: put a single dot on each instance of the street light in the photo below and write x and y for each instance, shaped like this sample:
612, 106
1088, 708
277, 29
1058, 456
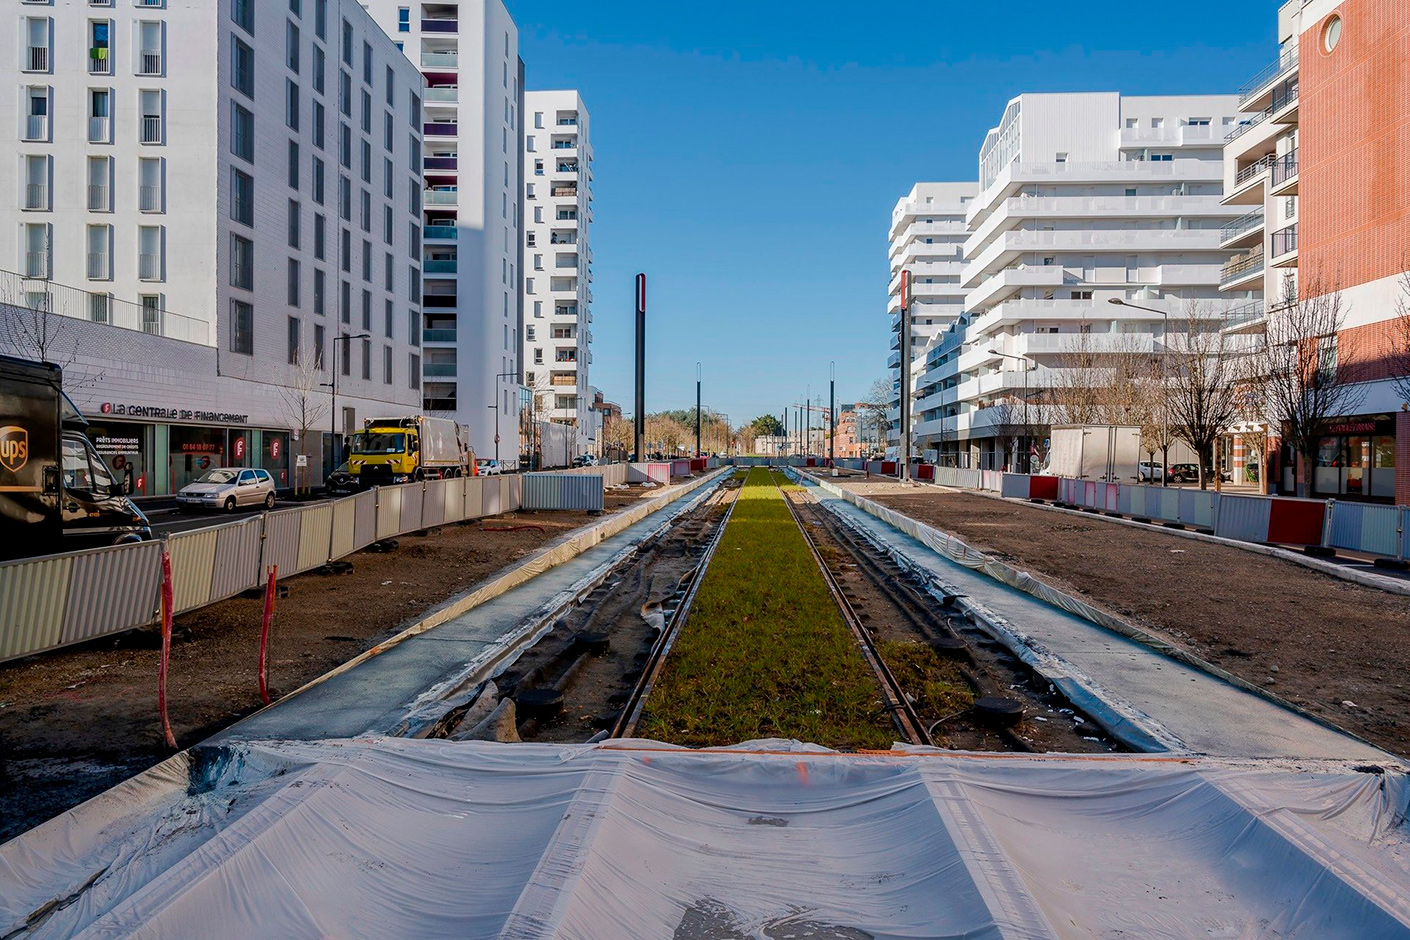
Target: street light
495, 406
1164, 408
1028, 365
337, 364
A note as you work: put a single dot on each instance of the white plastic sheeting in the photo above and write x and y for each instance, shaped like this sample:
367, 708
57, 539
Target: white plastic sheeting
413, 838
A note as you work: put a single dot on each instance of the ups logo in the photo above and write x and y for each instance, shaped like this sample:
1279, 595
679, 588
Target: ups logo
14, 448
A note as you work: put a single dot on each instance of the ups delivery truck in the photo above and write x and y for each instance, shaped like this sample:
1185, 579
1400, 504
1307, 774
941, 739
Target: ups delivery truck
56, 494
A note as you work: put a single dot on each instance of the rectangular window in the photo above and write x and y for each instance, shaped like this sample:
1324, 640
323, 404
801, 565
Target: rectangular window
391, 86
367, 63
242, 262
345, 354
345, 198
291, 104
100, 260
404, 19
345, 303
242, 67
100, 184
293, 164
347, 251
291, 47
347, 43
414, 378
318, 181
344, 93
149, 53
415, 285
294, 341
100, 128
242, 133
413, 335
367, 161
294, 281
151, 191
320, 285
388, 315
387, 124
386, 365
318, 344
150, 260
366, 111
367, 310
345, 146
36, 189
320, 18
319, 246
320, 66
150, 104
242, 197
366, 211
294, 223
388, 280
387, 224
319, 120
243, 13
242, 328
99, 47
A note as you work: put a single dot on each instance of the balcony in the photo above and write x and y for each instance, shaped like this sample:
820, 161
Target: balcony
441, 163
37, 127
440, 129
438, 336
37, 59
439, 301
1284, 181
438, 232
1284, 246
1241, 229
99, 266
442, 94
36, 264
563, 240
565, 191
149, 267
149, 198
1283, 99
149, 63
440, 25
99, 130
151, 129
440, 197
442, 370
565, 145
1255, 87
442, 266
1241, 268
36, 196
567, 122
440, 60
1245, 318
98, 199
99, 63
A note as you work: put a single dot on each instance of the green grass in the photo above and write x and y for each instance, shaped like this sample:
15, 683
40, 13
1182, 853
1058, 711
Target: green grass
936, 686
765, 651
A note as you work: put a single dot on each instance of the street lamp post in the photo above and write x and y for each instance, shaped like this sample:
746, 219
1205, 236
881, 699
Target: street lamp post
1164, 408
337, 364
495, 406
1028, 365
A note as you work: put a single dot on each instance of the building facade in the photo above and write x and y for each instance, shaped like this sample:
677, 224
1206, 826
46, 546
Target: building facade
927, 238
1319, 169
237, 183
468, 53
558, 260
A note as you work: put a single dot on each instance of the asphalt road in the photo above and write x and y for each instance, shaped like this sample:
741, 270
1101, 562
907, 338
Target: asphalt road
167, 520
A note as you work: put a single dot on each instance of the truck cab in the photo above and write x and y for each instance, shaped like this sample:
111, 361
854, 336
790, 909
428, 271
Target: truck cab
383, 454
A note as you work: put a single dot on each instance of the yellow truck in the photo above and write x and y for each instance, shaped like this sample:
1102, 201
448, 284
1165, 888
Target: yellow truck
402, 450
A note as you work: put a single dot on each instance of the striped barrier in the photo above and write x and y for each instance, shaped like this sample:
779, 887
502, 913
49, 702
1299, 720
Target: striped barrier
543, 491
649, 473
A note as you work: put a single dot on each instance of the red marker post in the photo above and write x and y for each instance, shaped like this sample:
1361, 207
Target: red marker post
168, 602
269, 592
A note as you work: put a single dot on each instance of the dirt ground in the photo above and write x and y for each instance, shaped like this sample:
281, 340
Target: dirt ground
1335, 648
76, 721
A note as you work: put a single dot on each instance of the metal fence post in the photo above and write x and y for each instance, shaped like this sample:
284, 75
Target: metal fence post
1327, 523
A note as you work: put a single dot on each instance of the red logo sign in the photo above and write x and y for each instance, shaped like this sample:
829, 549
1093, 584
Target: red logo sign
274, 447
239, 448
106, 408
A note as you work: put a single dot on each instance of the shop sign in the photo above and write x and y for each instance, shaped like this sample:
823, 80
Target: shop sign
1353, 427
274, 447
238, 447
109, 446
171, 414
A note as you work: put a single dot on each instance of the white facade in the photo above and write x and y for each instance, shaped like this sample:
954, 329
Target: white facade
558, 259
1085, 198
235, 175
468, 53
927, 238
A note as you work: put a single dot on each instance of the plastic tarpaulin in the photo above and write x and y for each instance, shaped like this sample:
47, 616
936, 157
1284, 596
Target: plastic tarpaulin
380, 837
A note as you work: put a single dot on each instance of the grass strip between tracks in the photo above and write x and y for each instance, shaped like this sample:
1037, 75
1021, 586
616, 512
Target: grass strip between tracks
765, 652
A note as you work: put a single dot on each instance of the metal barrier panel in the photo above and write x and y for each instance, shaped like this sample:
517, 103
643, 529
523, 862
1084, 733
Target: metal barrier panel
1163, 504
365, 519
1296, 521
991, 480
112, 590
433, 503
389, 500
583, 493
1405, 532
1089, 494
514, 493
541, 490
192, 565
493, 497
1125, 498
1014, 486
344, 528
474, 498
281, 539
237, 548
1108, 496
454, 502
33, 595
1197, 508
1362, 527
411, 495
925, 472
1043, 487
315, 536
1244, 518
680, 468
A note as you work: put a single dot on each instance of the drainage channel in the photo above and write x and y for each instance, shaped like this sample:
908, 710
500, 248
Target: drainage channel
957, 687
587, 674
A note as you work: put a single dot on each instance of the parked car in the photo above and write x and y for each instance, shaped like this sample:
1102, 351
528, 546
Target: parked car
1149, 471
1184, 473
228, 488
340, 482
490, 468
585, 460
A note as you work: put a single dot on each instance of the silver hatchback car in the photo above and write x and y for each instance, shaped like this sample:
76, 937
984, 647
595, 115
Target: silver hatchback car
227, 488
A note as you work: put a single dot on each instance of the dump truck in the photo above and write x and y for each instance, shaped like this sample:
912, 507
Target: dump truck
56, 493
402, 450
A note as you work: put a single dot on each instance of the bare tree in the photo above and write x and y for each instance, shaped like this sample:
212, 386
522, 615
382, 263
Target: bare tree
1400, 341
1203, 388
1308, 374
871, 422
40, 326
304, 405
1080, 385
1006, 418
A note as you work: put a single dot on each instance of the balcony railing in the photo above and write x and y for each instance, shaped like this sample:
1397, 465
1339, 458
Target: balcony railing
98, 197
563, 240
149, 198
36, 263
1239, 226
439, 301
149, 63
99, 63
1271, 72
1241, 266
36, 196
151, 129
438, 231
443, 93
1285, 241
149, 267
99, 268
1244, 313
99, 130
445, 370
1244, 126
1285, 168
565, 145
440, 26
441, 129
440, 197
439, 60
446, 266
438, 336
37, 59
565, 191
1252, 170
37, 127
441, 163
568, 122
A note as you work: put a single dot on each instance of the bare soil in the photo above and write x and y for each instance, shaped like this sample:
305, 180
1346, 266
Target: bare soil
1335, 648
76, 721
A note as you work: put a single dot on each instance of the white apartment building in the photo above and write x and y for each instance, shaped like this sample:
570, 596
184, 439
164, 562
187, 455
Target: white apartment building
239, 181
928, 233
558, 260
1084, 198
468, 53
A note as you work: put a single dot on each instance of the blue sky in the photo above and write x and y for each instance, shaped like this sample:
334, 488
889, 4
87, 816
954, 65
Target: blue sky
748, 155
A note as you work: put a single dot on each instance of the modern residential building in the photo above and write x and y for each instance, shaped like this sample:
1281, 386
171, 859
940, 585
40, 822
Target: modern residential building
927, 238
234, 184
1319, 172
558, 260
468, 53
1084, 198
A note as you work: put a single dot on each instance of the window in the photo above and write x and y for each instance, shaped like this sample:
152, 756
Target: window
345, 357
319, 121
367, 310
345, 303
347, 42
344, 93
242, 262
367, 63
388, 279
99, 48
293, 285
152, 311
386, 365
151, 191
318, 181
1162, 157
242, 133
366, 111
388, 315
242, 67
100, 184
347, 251
1198, 122
403, 19
366, 211
243, 13
319, 291
37, 116
320, 18
36, 257
36, 189
149, 53
242, 197
242, 328
294, 341
150, 105
319, 246
367, 161
345, 198
296, 7
387, 224
291, 104
291, 47
100, 260
294, 223
366, 261
345, 146
391, 85
320, 65
149, 253
414, 376
318, 343
413, 335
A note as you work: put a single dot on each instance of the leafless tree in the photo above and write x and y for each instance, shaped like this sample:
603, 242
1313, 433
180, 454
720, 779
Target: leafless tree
1308, 374
1006, 418
1400, 341
871, 422
1079, 384
304, 405
40, 326
1205, 373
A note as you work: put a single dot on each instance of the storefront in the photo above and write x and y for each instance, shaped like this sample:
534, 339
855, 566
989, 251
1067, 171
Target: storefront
157, 458
1356, 459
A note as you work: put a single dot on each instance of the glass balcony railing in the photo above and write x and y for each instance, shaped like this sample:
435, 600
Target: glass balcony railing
438, 231
438, 336
439, 267
438, 370
440, 26
1241, 225
440, 60
1241, 266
